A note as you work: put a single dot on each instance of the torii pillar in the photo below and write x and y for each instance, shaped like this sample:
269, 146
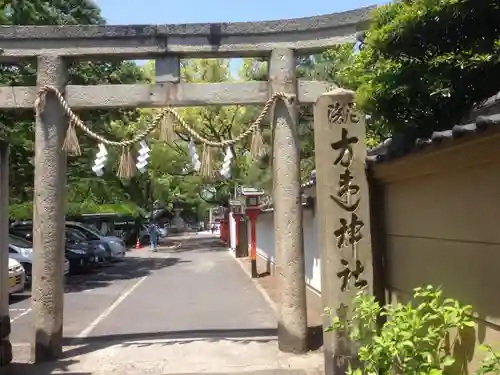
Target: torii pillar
289, 237
48, 216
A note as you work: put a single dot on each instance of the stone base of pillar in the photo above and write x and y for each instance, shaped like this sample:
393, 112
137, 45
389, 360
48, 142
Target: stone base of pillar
4, 326
5, 345
5, 352
255, 274
289, 343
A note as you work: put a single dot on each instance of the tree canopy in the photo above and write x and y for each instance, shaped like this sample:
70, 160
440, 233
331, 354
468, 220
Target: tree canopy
422, 66
169, 177
216, 123
425, 63
84, 189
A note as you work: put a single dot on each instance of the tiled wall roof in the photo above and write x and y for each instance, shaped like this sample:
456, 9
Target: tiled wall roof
393, 148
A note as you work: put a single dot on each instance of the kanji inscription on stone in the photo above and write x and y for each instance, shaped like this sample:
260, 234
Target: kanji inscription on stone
351, 277
350, 231
346, 189
341, 114
348, 198
343, 213
344, 148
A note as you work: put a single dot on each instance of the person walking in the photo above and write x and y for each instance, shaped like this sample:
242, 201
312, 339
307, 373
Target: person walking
153, 235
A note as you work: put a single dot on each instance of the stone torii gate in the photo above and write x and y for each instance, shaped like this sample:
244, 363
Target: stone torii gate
53, 46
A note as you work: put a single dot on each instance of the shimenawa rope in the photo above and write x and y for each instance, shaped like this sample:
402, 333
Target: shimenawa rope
162, 119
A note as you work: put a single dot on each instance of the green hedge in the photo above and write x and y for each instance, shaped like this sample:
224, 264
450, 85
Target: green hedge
24, 211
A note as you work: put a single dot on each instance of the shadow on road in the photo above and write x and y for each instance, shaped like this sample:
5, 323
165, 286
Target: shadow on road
82, 346
41, 369
243, 336
16, 298
197, 244
136, 267
130, 268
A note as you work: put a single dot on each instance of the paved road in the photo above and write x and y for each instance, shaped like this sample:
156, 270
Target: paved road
194, 289
187, 309
87, 296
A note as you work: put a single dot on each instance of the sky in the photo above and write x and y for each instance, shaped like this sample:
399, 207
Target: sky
194, 11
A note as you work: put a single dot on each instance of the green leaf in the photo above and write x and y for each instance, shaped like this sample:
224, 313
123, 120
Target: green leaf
409, 344
447, 361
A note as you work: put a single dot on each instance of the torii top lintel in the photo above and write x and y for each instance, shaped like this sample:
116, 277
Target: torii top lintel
241, 39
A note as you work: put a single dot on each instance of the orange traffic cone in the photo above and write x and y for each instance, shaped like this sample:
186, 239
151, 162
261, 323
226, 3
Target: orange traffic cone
138, 244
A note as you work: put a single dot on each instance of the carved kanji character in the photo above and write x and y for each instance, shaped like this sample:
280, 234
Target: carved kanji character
345, 190
349, 233
348, 276
340, 113
344, 145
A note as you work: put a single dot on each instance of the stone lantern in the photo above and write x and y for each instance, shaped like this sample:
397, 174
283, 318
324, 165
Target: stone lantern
236, 209
253, 203
178, 221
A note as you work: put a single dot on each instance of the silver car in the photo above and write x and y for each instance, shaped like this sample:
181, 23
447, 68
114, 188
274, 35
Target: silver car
115, 245
22, 251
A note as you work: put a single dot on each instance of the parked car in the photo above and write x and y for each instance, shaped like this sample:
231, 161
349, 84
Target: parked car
98, 252
80, 260
22, 251
80, 256
114, 245
104, 247
17, 277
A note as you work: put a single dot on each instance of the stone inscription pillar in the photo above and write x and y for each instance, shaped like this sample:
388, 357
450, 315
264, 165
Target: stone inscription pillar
289, 243
343, 213
49, 216
5, 346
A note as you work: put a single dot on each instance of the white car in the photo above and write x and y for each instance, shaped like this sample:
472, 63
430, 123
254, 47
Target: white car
17, 276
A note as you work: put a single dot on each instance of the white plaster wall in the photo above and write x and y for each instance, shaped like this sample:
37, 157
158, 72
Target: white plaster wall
232, 231
265, 244
311, 250
265, 236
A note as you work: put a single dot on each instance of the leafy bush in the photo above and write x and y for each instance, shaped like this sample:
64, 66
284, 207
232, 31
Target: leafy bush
491, 364
415, 338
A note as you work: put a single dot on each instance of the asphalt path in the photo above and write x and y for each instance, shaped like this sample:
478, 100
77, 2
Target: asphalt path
192, 287
86, 297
